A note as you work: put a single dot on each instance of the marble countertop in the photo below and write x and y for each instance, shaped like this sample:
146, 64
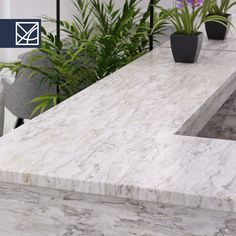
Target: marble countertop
128, 136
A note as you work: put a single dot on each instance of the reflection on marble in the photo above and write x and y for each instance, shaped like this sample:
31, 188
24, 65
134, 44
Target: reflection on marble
30, 211
229, 44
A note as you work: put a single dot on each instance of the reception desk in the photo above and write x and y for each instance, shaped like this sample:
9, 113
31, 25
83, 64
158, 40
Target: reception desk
123, 157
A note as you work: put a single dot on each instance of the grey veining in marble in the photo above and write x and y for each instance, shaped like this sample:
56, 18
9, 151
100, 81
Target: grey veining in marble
31, 211
117, 159
117, 138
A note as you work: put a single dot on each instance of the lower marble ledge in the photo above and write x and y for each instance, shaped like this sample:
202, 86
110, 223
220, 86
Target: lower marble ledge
33, 211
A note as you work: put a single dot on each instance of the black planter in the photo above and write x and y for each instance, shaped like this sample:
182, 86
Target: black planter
186, 48
216, 30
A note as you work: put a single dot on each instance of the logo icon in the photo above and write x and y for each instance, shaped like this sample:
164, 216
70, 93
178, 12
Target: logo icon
27, 34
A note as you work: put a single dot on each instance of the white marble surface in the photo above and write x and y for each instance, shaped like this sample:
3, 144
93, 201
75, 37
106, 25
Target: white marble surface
118, 137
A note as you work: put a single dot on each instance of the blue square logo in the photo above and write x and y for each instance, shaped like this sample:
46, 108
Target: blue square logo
27, 34
20, 33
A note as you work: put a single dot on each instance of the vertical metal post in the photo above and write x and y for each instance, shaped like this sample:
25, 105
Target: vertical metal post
58, 16
58, 19
151, 25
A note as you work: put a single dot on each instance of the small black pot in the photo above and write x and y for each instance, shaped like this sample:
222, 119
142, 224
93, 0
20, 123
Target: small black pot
186, 48
216, 30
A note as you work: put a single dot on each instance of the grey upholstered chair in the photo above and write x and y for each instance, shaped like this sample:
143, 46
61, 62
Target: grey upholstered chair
19, 94
1, 110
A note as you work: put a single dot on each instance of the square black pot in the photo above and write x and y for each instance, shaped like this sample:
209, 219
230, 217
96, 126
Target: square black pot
186, 48
216, 30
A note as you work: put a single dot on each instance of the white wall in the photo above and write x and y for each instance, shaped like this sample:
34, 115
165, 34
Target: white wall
34, 8
4, 13
144, 3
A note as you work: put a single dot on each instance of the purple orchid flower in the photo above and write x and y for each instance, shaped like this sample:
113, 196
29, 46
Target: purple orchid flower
179, 4
195, 3
192, 3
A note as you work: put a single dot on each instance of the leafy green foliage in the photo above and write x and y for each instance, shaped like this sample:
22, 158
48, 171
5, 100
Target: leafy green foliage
70, 70
221, 7
100, 40
188, 19
119, 36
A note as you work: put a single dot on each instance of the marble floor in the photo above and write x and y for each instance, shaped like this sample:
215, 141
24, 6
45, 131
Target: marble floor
223, 124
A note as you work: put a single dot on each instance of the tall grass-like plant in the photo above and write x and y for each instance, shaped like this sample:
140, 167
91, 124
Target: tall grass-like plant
219, 30
71, 69
221, 7
189, 15
100, 40
119, 36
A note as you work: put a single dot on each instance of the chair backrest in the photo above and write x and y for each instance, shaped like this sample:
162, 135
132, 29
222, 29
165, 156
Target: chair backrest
27, 86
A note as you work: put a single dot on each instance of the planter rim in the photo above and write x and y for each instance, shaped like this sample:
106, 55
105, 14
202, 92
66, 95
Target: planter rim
187, 35
224, 15
186, 48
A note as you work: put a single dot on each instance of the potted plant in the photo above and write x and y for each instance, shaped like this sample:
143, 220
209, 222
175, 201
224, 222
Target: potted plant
187, 17
101, 39
219, 30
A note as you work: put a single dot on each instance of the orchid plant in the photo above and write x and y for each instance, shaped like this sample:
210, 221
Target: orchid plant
188, 15
222, 7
